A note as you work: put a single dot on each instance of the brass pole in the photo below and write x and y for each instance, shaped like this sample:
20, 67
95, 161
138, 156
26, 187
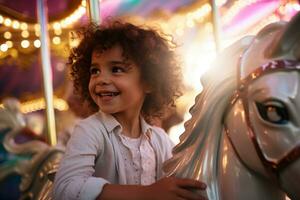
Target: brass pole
93, 11
216, 25
42, 13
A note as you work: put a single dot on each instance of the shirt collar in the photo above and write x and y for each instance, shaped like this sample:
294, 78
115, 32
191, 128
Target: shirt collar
146, 128
111, 124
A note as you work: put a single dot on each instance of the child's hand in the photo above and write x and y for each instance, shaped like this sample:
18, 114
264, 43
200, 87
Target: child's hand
176, 188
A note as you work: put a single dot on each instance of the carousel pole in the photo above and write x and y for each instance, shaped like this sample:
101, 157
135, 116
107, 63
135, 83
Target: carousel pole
42, 13
216, 25
93, 10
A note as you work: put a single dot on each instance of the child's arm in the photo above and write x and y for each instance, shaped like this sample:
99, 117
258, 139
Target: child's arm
169, 188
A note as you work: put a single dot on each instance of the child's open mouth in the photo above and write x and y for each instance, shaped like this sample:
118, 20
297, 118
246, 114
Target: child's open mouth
108, 94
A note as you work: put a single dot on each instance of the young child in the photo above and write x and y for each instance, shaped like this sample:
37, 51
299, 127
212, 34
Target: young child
129, 75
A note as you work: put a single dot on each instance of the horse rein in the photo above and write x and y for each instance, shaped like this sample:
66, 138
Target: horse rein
241, 92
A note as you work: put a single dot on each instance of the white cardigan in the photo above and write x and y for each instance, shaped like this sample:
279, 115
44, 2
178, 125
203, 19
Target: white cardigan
92, 157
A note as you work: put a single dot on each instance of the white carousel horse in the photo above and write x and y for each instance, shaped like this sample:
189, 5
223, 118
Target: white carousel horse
243, 139
37, 171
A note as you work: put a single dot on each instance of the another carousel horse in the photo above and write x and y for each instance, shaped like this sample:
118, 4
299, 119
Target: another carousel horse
35, 161
243, 139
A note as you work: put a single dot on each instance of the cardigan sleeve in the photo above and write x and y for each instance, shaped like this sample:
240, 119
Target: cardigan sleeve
74, 179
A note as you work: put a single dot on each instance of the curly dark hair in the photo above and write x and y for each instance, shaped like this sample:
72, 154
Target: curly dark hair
150, 49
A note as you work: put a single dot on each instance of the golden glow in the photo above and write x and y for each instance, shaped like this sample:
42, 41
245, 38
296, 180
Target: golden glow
199, 14
7, 35
25, 44
1, 19
197, 59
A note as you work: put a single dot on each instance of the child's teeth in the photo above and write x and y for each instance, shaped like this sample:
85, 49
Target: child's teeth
109, 94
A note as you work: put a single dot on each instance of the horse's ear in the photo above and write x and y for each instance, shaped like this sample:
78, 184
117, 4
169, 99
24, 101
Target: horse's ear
288, 40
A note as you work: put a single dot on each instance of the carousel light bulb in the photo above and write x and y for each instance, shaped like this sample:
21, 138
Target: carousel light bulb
1, 19
37, 43
24, 26
63, 23
56, 40
37, 28
16, 24
7, 22
56, 25
7, 35
206, 8
9, 44
25, 44
3, 47
37, 33
25, 34
60, 104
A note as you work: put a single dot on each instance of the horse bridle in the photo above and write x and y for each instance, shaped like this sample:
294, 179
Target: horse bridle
241, 92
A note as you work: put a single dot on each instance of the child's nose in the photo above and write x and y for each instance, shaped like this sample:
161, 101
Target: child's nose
104, 78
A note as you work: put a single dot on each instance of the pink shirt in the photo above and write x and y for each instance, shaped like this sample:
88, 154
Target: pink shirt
139, 159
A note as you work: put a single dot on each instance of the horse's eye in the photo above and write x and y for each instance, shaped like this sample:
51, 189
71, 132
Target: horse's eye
273, 111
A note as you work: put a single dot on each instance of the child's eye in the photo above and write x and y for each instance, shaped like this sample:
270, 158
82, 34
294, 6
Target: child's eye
116, 69
94, 71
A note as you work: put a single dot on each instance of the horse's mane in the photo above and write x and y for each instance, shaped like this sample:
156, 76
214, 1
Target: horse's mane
196, 154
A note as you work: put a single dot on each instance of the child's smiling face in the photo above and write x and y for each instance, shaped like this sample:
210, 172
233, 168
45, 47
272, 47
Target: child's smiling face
115, 83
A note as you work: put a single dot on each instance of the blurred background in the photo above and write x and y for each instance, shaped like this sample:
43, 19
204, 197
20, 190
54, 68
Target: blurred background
194, 25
